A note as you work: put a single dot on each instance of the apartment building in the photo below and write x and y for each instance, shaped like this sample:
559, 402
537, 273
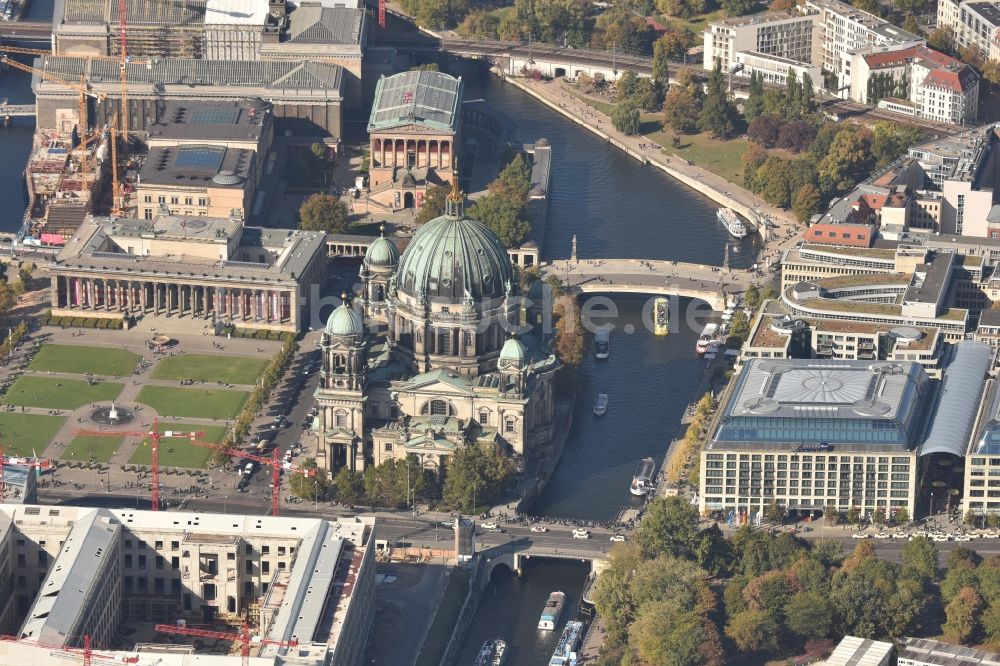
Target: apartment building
779, 35
975, 24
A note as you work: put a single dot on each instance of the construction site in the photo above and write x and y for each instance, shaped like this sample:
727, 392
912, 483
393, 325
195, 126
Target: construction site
179, 589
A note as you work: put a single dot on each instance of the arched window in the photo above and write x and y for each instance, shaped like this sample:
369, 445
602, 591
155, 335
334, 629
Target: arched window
484, 417
437, 408
340, 418
339, 363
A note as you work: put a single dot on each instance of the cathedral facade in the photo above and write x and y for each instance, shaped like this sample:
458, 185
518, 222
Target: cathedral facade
422, 362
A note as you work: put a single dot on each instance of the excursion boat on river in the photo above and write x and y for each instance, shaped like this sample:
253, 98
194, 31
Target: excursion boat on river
552, 611
601, 405
732, 223
602, 344
493, 653
644, 479
661, 316
569, 643
706, 338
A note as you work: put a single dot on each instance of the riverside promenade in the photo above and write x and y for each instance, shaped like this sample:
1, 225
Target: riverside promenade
783, 234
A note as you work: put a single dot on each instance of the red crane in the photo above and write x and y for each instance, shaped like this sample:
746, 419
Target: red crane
154, 436
275, 464
243, 637
84, 652
381, 14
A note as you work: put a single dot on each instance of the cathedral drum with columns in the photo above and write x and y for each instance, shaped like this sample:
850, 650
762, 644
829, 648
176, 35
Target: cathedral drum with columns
423, 363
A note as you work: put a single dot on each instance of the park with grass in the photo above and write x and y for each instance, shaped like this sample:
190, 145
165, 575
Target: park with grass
86, 448
27, 434
199, 403
206, 368
179, 452
59, 393
79, 360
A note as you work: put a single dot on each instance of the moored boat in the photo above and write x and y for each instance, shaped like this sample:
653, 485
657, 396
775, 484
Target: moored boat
732, 222
661, 316
569, 643
552, 611
602, 344
493, 653
643, 480
601, 405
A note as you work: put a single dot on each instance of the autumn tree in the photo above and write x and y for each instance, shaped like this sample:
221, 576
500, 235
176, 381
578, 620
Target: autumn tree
433, 204
848, 161
312, 484
754, 630
962, 615
806, 202
323, 212
670, 526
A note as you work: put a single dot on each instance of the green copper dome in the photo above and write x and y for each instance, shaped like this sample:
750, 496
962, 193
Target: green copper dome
383, 253
345, 322
453, 257
513, 350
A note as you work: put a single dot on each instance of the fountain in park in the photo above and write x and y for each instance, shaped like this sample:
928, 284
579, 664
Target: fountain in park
112, 416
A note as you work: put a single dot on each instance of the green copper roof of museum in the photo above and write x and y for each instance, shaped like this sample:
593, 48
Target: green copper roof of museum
429, 99
453, 257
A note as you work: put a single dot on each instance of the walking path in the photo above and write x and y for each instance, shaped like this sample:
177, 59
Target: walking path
783, 235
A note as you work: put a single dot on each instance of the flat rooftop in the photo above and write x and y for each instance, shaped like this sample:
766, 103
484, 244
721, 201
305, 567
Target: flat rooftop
930, 280
760, 19
220, 121
155, 13
198, 165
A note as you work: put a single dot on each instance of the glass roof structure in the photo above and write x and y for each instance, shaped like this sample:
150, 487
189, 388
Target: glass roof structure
957, 401
428, 99
208, 158
803, 403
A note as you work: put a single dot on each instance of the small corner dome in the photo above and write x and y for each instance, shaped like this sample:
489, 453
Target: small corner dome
382, 253
513, 350
345, 322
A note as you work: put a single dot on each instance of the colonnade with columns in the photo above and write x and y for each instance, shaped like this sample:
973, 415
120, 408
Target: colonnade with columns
92, 296
390, 152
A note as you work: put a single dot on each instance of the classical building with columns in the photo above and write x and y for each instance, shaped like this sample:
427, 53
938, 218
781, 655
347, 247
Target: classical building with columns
414, 128
208, 268
422, 362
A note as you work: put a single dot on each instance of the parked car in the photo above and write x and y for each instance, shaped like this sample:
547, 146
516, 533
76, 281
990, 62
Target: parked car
581, 534
489, 526
539, 528
617, 538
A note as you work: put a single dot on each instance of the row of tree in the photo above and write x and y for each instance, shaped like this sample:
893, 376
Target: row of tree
686, 456
683, 595
474, 476
690, 108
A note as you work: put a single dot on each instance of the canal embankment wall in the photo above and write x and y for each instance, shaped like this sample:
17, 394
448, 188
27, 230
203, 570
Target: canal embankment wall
477, 583
719, 196
530, 491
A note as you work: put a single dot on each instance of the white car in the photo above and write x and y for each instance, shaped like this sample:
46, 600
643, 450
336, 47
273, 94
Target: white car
581, 535
963, 537
860, 535
941, 537
618, 538
489, 526
900, 535
883, 535
580, 530
539, 528
991, 534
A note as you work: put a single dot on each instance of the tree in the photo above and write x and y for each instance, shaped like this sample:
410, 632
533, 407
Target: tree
796, 135
613, 592
942, 39
323, 212
504, 215
718, 115
807, 102
753, 631
919, 559
475, 476
625, 117
793, 95
310, 487
739, 328
670, 527
434, 203
480, 23
962, 615
738, 7
891, 140
753, 105
661, 635
625, 83
348, 486
808, 615
806, 202
662, 52
681, 8
764, 130
848, 161
989, 620
752, 300
681, 111
958, 577
774, 181
910, 25
991, 71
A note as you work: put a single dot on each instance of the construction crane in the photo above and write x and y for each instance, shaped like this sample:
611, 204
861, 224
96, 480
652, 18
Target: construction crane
119, 197
244, 638
274, 462
81, 88
154, 436
381, 14
85, 652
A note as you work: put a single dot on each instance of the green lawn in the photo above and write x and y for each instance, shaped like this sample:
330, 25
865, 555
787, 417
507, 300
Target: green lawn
720, 157
85, 448
52, 393
604, 107
201, 403
179, 452
81, 360
22, 434
204, 367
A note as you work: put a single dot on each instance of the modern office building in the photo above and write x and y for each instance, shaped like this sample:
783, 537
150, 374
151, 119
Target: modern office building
808, 434
778, 35
114, 574
305, 96
415, 132
208, 268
